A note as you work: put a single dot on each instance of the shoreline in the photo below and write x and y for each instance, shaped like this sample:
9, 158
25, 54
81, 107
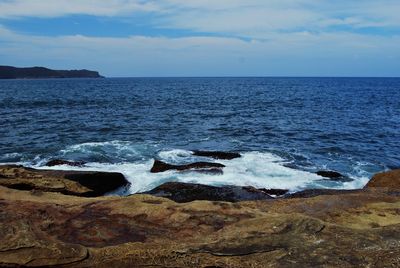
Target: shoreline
330, 228
262, 170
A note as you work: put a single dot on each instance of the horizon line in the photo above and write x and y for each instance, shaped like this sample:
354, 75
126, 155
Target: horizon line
266, 76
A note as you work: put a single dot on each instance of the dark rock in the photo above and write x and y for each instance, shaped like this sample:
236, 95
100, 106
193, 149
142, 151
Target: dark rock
79, 183
59, 162
277, 192
9, 72
329, 174
317, 192
390, 179
188, 192
333, 175
217, 154
160, 166
100, 183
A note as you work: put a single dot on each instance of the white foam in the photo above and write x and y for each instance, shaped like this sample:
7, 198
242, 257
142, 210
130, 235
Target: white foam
261, 170
175, 155
113, 151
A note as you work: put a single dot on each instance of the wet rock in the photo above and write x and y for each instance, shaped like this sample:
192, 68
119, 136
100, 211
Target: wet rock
217, 154
160, 166
333, 175
390, 179
59, 162
317, 192
329, 174
188, 192
79, 183
276, 192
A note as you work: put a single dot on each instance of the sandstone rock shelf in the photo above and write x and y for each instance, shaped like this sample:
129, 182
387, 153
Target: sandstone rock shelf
350, 229
79, 183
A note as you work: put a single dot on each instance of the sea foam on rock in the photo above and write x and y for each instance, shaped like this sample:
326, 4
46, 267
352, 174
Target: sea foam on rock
59, 162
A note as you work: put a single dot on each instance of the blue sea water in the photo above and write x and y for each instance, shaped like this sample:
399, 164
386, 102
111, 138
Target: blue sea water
285, 128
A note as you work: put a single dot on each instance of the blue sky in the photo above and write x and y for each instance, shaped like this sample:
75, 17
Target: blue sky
204, 38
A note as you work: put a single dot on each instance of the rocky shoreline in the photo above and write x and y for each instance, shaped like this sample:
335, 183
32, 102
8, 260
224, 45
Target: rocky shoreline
61, 218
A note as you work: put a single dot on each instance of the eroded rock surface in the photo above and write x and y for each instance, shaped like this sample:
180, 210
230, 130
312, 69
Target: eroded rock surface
355, 229
352, 229
390, 179
80, 183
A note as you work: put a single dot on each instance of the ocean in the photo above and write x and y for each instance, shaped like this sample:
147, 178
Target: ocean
285, 128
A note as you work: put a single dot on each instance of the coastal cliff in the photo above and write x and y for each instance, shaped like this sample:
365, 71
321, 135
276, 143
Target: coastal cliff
9, 72
39, 226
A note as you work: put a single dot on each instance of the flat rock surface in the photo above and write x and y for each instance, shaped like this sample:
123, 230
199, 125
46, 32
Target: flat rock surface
80, 183
352, 229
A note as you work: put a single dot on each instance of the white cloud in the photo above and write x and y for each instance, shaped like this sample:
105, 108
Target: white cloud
286, 37
55, 8
301, 53
255, 18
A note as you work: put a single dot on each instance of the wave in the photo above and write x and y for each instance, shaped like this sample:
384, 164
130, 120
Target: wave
257, 169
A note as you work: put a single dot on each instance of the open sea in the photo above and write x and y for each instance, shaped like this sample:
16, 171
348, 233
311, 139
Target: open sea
285, 128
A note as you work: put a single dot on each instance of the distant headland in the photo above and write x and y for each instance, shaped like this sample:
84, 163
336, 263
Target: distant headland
10, 72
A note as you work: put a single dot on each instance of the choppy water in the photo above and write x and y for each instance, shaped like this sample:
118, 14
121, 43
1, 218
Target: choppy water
286, 128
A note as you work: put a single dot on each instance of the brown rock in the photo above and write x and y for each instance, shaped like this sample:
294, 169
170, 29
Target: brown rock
160, 166
359, 229
390, 179
80, 183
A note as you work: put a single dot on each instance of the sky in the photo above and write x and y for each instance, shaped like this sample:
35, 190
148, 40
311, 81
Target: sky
136, 38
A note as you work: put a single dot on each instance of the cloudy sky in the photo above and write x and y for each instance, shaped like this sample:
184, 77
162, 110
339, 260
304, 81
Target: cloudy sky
204, 38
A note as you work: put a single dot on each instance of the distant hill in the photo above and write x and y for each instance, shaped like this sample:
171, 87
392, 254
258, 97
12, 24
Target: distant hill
9, 72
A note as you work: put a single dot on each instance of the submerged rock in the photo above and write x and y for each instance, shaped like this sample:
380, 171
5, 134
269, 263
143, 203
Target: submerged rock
59, 162
79, 183
390, 179
333, 175
188, 192
160, 166
217, 154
